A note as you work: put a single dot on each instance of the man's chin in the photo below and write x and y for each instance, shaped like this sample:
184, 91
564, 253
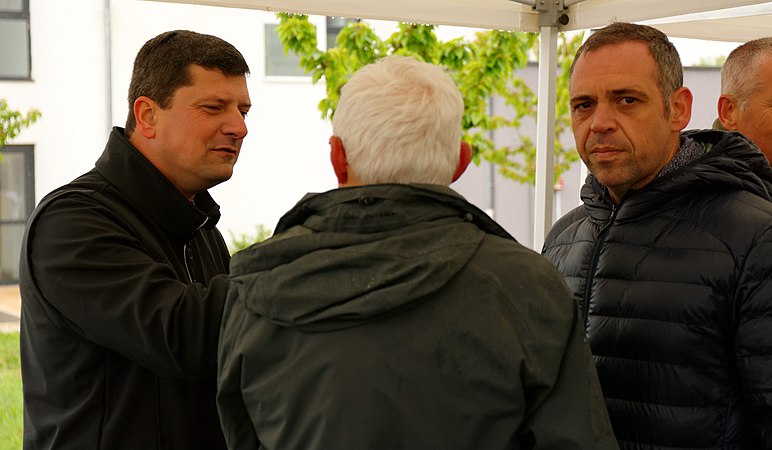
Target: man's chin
220, 177
609, 177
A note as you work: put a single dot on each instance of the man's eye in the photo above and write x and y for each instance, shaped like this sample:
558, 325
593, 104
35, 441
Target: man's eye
580, 106
244, 114
212, 108
629, 100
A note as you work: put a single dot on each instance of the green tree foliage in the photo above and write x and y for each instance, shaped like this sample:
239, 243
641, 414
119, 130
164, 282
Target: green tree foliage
482, 68
243, 240
12, 122
711, 61
11, 416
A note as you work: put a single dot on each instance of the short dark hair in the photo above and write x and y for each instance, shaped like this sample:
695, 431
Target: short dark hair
161, 66
671, 72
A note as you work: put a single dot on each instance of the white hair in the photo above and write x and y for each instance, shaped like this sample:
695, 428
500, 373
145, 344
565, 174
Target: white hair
399, 120
739, 77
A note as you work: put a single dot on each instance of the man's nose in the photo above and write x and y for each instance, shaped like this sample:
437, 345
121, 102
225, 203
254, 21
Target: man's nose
603, 119
235, 124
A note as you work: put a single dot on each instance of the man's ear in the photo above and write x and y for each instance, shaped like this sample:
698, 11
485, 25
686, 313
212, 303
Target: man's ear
464, 158
727, 109
680, 108
338, 159
144, 114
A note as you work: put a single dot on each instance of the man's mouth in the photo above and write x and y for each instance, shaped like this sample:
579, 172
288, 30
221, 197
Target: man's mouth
604, 150
229, 150
602, 153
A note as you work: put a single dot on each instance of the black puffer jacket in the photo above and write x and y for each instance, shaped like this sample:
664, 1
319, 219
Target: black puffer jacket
675, 285
123, 284
402, 317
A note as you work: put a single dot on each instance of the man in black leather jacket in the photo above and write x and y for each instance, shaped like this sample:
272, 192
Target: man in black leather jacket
670, 257
123, 273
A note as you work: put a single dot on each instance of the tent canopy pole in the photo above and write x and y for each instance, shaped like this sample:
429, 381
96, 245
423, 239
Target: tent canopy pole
552, 13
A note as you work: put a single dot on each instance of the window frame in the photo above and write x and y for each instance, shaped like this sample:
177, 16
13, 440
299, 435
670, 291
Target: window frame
25, 16
28, 164
322, 28
338, 24
269, 27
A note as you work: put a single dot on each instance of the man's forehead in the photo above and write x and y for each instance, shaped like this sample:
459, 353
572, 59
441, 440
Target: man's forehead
612, 83
625, 52
227, 93
624, 70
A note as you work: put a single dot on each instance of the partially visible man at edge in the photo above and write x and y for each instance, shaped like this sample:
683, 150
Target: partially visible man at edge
123, 273
670, 257
391, 313
745, 104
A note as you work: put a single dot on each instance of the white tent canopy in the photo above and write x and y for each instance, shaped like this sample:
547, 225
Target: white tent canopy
734, 24
727, 20
506, 14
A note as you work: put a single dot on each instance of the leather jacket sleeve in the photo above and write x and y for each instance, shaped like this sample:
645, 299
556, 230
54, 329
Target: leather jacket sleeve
119, 290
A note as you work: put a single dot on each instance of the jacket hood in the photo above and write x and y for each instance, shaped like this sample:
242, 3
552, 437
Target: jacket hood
352, 255
730, 162
121, 162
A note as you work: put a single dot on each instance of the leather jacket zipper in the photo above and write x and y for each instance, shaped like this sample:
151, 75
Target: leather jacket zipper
187, 253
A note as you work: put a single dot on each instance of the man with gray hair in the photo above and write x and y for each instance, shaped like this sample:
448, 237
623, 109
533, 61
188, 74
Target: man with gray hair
745, 104
391, 313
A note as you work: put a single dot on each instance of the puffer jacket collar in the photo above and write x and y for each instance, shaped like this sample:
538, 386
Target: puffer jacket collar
730, 162
121, 164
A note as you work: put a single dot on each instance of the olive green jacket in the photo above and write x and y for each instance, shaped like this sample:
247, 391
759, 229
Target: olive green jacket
401, 316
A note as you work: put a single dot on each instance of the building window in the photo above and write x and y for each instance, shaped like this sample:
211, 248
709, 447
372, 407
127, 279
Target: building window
277, 63
334, 25
15, 38
17, 200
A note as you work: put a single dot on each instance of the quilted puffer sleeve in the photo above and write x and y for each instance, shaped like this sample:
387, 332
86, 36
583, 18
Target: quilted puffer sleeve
753, 339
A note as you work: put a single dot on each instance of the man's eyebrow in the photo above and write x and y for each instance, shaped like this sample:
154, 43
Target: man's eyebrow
218, 99
582, 98
628, 92
622, 92
223, 101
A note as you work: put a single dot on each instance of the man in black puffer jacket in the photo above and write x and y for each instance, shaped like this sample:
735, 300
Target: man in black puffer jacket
670, 257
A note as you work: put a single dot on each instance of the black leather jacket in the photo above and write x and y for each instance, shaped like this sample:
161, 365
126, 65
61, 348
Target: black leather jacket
122, 282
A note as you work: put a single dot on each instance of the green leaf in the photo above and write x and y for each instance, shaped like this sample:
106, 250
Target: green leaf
482, 68
12, 122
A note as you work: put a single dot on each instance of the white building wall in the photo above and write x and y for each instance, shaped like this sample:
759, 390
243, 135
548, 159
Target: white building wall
67, 86
284, 156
